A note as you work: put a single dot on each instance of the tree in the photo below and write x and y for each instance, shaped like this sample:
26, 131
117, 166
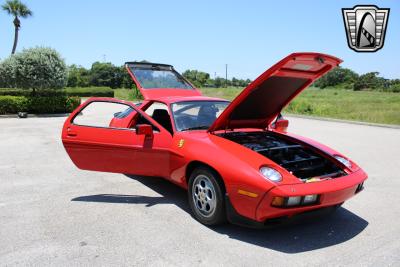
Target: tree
235, 82
219, 82
369, 80
38, 68
7, 73
78, 76
337, 76
198, 78
105, 74
126, 80
17, 9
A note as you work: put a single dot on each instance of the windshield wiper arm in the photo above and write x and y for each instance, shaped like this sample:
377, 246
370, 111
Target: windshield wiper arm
202, 127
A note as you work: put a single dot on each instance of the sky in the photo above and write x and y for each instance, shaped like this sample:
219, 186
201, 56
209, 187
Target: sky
249, 36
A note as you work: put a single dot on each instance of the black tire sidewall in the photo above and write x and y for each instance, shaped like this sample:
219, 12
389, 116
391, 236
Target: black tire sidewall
219, 215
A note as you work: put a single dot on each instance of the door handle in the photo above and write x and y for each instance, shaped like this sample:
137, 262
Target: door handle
71, 133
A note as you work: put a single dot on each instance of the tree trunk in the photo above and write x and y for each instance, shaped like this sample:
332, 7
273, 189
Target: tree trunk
17, 25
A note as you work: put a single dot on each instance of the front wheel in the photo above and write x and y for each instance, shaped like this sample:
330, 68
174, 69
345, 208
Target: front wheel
206, 197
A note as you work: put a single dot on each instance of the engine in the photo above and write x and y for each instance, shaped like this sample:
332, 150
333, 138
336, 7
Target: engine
298, 159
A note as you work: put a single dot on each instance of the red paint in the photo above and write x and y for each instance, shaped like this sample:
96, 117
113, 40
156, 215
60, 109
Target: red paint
314, 66
140, 151
154, 93
145, 129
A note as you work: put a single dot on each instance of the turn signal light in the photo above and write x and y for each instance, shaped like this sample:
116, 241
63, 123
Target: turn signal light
296, 201
278, 201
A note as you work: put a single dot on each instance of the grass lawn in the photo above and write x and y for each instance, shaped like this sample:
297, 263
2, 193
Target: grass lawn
124, 94
376, 107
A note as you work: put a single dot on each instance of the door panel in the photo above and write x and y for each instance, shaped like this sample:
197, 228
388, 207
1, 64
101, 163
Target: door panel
102, 149
93, 145
99, 136
154, 155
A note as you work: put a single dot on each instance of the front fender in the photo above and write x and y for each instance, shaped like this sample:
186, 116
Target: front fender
237, 166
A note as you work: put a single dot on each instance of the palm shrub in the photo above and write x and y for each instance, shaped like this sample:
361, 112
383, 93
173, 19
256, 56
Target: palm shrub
18, 10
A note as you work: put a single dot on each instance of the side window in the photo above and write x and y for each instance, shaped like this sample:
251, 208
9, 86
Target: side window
103, 114
159, 112
156, 105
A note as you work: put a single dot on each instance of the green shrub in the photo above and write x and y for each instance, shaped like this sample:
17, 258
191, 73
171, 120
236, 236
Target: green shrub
72, 103
14, 92
82, 92
395, 88
25, 92
90, 91
8, 72
38, 104
13, 104
35, 68
301, 107
56, 104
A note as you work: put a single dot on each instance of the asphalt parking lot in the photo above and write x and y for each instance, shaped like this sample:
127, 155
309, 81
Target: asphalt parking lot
51, 213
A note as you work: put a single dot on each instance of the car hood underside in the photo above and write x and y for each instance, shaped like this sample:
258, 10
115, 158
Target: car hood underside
262, 100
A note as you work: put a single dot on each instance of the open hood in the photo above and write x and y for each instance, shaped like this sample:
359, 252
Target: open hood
156, 80
262, 100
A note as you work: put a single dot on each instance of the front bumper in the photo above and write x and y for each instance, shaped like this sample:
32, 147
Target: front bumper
236, 218
332, 193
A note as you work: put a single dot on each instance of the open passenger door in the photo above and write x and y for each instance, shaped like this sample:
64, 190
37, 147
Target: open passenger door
94, 143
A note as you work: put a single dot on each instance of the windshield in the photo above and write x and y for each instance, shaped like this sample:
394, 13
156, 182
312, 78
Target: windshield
155, 78
196, 115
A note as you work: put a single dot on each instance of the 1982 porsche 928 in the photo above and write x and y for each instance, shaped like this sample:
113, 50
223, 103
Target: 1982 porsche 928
236, 159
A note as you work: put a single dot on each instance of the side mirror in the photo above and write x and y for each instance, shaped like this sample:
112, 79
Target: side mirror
281, 125
144, 129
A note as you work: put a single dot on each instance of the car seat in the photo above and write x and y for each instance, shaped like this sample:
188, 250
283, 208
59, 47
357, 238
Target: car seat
162, 117
207, 115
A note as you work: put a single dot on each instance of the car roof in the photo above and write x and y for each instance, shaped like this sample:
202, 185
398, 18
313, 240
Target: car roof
174, 99
147, 64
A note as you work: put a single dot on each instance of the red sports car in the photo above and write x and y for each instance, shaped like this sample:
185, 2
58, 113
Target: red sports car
236, 159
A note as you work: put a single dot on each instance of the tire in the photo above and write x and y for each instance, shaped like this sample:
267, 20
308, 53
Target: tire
206, 197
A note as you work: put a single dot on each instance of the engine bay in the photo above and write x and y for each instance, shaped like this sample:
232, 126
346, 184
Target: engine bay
300, 160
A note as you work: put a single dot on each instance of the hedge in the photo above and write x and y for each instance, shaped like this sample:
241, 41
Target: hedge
90, 91
13, 104
82, 92
24, 92
38, 104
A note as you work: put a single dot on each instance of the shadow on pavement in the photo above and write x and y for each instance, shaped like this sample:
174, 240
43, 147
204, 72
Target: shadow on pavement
305, 235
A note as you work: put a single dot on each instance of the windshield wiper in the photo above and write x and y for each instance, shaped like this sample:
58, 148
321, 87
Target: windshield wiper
203, 127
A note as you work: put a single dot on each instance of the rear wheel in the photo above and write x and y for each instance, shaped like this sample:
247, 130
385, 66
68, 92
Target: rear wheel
206, 196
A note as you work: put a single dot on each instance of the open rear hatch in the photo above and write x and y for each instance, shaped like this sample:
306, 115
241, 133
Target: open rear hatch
156, 80
262, 100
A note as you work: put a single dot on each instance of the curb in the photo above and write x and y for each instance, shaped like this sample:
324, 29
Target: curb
56, 115
392, 126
